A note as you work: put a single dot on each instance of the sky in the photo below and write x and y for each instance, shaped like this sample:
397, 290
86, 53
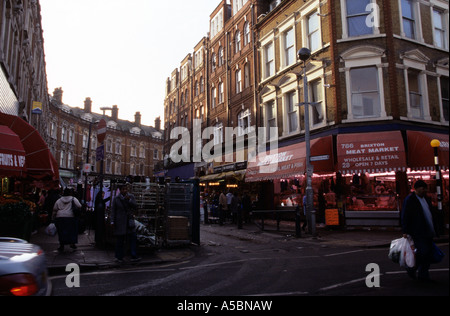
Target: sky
120, 52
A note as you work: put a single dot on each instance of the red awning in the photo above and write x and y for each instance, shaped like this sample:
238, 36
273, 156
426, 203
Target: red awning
40, 162
12, 154
421, 154
371, 152
290, 161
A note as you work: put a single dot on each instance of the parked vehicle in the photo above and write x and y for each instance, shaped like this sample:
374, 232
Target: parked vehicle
23, 269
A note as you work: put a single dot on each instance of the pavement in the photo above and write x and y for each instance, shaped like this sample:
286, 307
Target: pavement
88, 257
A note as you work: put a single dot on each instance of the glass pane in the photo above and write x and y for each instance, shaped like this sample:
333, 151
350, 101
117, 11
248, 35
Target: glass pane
407, 9
364, 79
313, 23
437, 19
366, 105
356, 6
317, 112
357, 26
293, 122
408, 28
413, 80
314, 41
439, 38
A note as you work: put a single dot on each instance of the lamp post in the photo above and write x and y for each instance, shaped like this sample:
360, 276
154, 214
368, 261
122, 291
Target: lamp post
304, 55
436, 144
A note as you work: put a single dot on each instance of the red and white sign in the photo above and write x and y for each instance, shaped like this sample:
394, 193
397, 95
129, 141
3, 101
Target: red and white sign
101, 131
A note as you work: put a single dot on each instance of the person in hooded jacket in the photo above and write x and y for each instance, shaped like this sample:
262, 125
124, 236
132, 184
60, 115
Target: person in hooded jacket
65, 220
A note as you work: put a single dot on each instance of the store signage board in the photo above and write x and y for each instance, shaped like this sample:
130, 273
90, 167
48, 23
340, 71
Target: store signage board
101, 131
332, 217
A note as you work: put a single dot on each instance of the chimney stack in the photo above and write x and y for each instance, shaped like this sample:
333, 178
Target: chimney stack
88, 105
137, 119
158, 124
115, 113
58, 95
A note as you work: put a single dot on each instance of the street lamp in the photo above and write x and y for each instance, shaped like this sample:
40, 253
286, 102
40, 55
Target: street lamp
436, 144
304, 55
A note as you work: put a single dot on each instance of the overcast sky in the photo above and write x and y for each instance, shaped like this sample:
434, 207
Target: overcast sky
120, 52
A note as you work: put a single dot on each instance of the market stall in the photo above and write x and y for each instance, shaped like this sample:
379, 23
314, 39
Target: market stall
26, 167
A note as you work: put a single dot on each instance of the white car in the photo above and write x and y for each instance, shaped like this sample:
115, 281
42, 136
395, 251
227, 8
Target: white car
23, 269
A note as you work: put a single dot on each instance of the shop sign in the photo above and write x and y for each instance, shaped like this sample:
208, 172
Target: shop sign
332, 217
377, 152
37, 108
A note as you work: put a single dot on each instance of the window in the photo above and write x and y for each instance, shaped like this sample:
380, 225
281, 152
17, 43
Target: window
63, 134
142, 151
365, 94
440, 37
238, 81
221, 60
213, 62
70, 160
202, 85
415, 94
71, 137
317, 98
356, 18
213, 98
237, 39
133, 150
247, 75
408, 18
238, 4
118, 167
85, 139
155, 154
243, 122
220, 92
62, 160
269, 61
218, 134
291, 109
217, 23
314, 32
289, 47
445, 97
118, 147
246, 34
271, 118
197, 89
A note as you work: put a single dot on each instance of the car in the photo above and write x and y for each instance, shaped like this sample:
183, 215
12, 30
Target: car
23, 269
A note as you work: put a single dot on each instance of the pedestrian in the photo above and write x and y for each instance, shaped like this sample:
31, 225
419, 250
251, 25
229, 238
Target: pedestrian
122, 220
236, 210
223, 207
246, 208
417, 222
99, 218
229, 198
305, 223
65, 220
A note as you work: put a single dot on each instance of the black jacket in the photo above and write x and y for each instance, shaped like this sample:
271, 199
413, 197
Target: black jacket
414, 222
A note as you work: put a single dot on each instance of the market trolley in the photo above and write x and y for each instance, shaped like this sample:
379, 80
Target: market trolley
150, 215
178, 210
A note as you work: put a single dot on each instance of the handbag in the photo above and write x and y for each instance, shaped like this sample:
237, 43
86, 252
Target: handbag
438, 255
76, 210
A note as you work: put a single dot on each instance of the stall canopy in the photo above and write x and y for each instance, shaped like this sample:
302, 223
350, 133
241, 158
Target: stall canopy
371, 152
421, 154
40, 162
12, 154
290, 161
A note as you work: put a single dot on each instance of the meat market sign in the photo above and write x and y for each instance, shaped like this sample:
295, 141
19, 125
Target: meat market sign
374, 152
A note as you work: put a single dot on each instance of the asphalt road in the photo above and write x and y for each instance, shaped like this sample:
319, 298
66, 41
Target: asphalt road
263, 266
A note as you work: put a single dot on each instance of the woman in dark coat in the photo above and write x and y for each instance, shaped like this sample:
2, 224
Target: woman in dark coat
99, 211
122, 215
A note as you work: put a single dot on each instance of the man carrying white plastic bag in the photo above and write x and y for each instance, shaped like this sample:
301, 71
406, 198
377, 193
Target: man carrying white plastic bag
418, 223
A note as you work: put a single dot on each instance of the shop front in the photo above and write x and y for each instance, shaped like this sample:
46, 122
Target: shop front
282, 174
26, 166
369, 164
